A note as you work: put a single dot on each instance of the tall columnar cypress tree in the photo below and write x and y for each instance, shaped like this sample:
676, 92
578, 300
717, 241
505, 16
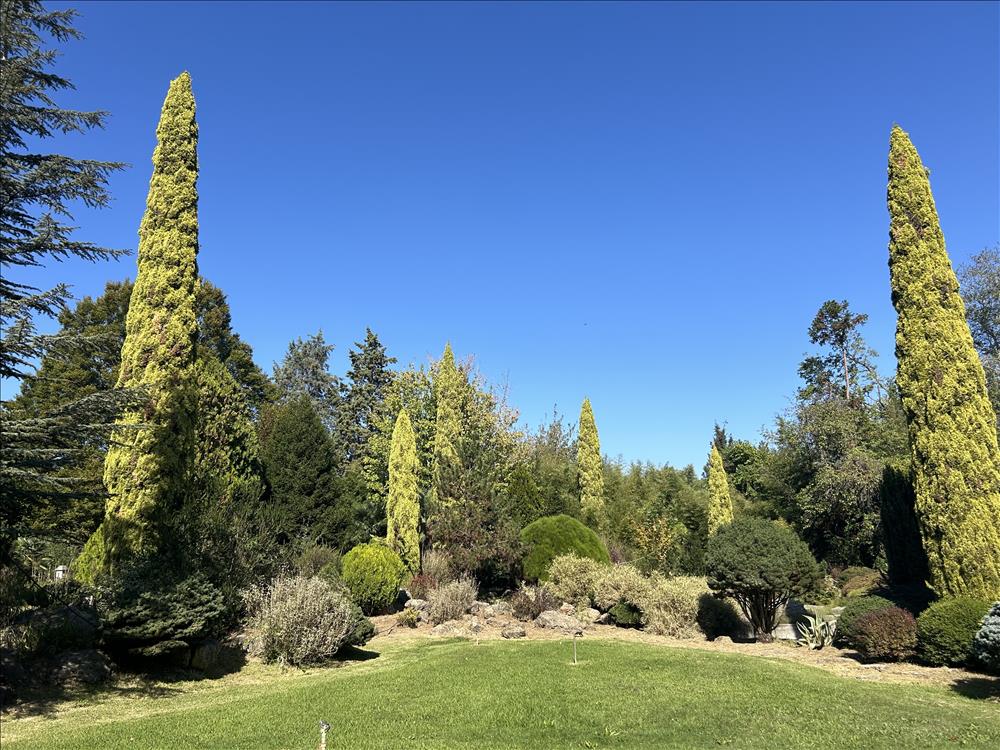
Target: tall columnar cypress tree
720, 502
953, 440
448, 392
403, 502
150, 465
591, 468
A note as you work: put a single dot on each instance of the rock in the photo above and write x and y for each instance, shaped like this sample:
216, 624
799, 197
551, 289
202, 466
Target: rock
567, 608
502, 608
723, 639
475, 626
206, 655
78, 668
451, 628
418, 604
554, 620
604, 619
785, 632
483, 609
513, 630
590, 615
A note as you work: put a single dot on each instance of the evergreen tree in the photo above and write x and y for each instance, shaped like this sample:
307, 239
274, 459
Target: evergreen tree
305, 369
363, 396
42, 450
720, 502
150, 464
449, 387
403, 504
591, 468
952, 426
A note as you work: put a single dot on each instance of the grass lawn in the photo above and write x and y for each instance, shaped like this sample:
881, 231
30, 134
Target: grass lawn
433, 694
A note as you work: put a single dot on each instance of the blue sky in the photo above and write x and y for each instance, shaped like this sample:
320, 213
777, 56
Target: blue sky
643, 203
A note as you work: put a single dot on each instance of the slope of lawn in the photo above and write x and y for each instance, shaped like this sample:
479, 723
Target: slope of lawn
523, 694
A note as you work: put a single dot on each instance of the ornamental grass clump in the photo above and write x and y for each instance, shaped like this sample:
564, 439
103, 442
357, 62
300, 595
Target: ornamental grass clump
888, 634
300, 621
452, 600
946, 629
530, 601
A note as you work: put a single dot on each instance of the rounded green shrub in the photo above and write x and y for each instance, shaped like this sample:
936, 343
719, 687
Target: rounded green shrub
551, 536
373, 574
718, 617
626, 615
946, 629
888, 634
986, 644
854, 611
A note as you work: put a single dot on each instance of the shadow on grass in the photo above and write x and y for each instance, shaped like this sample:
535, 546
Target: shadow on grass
978, 688
353, 653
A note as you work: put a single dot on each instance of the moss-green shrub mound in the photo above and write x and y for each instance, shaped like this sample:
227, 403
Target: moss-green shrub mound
373, 574
945, 631
549, 537
854, 611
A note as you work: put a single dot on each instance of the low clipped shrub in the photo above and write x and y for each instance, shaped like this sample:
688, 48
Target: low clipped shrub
888, 634
530, 601
719, 617
300, 621
408, 618
672, 606
854, 610
986, 644
452, 600
437, 565
421, 585
574, 579
547, 538
373, 574
761, 566
946, 629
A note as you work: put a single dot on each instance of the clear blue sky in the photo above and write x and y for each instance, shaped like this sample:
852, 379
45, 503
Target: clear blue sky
641, 203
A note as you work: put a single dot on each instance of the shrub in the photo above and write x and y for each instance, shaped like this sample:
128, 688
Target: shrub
859, 581
452, 600
420, 586
986, 644
408, 618
299, 621
672, 607
718, 617
574, 579
551, 536
946, 629
317, 558
888, 634
373, 574
622, 583
330, 573
761, 566
854, 611
626, 615
530, 601
436, 565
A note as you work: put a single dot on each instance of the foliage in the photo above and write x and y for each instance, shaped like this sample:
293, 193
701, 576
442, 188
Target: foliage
858, 580
720, 504
574, 579
816, 631
626, 615
591, 469
437, 565
145, 615
854, 610
904, 550
304, 371
317, 558
952, 425
449, 393
408, 618
530, 601
623, 583
47, 459
151, 458
421, 585
980, 280
888, 634
451, 600
945, 630
373, 573
403, 502
761, 566
986, 644
673, 606
718, 617
300, 621
849, 360
363, 395
549, 537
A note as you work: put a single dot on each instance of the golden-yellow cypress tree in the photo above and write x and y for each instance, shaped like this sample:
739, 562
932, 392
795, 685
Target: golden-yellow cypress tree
403, 501
591, 468
720, 502
149, 467
952, 426
447, 463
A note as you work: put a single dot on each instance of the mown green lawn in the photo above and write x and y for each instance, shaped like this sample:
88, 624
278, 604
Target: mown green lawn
523, 694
